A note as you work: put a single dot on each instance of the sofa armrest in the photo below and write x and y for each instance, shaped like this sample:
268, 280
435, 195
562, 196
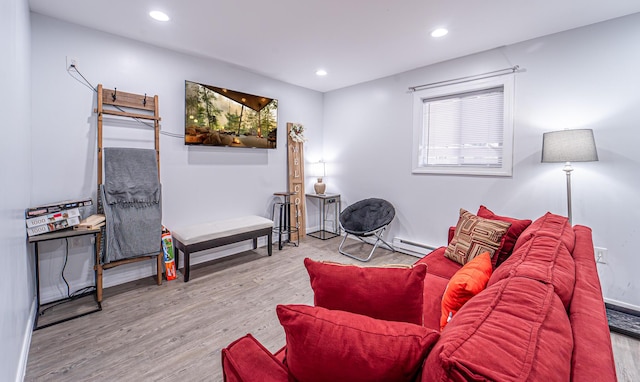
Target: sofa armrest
592, 352
246, 360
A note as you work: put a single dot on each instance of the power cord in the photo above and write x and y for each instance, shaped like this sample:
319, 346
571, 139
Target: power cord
64, 266
70, 296
89, 85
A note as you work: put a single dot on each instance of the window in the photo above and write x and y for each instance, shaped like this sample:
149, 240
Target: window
464, 128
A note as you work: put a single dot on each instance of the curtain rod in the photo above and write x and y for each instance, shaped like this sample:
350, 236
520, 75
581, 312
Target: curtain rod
459, 80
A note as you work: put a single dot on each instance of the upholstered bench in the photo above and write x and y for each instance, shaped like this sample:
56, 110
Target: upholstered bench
203, 236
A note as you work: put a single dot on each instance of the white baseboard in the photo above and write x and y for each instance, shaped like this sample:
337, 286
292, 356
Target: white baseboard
311, 228
622, 304
48, 295
21, 370
371, 240
411, 247
135, 271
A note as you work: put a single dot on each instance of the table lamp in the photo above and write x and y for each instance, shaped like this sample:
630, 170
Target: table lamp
318, 170
569, 146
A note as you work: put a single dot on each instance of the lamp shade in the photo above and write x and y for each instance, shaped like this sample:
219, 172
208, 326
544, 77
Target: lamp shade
569, 146
318, 169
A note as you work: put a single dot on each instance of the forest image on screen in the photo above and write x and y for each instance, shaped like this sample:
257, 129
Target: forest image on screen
222, 117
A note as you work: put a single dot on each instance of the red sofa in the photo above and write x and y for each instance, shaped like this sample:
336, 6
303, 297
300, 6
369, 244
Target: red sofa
540, 318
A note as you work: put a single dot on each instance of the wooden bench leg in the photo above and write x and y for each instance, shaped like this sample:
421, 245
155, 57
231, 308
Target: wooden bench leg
255, 242
269, 243
187, 266
176, 253
99, 283
159, 259
176, 257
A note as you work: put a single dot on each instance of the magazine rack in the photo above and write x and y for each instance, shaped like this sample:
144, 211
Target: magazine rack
138, 107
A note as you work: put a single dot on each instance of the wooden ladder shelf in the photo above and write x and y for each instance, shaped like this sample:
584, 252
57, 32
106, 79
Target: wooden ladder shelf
132, 106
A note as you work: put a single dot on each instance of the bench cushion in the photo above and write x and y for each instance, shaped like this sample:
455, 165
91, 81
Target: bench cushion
197, 233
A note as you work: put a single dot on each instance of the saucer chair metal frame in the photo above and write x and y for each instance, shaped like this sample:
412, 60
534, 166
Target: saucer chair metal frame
368, 217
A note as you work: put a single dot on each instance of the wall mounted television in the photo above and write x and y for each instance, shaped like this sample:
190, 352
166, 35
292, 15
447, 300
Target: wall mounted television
217, 116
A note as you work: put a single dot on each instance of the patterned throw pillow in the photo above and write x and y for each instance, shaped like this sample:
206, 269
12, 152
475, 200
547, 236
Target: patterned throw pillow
475, 235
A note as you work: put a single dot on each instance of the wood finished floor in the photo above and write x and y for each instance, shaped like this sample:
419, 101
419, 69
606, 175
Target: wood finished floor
176, 331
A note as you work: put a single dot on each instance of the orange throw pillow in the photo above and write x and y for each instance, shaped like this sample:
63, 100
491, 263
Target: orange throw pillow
467, 282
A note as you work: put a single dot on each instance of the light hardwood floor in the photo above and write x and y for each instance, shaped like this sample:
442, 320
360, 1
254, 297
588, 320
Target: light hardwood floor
176, 331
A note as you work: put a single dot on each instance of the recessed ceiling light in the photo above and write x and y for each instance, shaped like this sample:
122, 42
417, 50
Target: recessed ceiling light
158, 15
321, 72
439, 32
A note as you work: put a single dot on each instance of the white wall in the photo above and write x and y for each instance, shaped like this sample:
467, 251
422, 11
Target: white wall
199, 184
16, 280
584, 78
581, 78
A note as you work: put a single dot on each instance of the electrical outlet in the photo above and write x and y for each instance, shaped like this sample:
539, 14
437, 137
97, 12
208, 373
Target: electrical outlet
72, 62
601, 255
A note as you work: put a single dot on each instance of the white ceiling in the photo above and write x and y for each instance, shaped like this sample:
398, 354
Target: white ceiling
354, 40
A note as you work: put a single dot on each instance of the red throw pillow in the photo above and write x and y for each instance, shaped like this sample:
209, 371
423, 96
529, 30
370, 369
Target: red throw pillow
386, 293
332, 345
467, 282
517, 227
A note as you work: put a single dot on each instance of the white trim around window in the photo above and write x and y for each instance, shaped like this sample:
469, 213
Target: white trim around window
464, 128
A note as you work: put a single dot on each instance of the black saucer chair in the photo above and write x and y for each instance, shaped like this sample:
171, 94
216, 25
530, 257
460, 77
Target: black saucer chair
368, 217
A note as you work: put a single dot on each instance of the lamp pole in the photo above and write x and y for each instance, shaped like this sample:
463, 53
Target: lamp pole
567, 168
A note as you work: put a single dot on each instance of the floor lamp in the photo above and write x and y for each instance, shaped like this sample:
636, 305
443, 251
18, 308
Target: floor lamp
569, 146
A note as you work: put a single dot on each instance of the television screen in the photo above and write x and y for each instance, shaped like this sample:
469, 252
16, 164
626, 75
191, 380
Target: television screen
222, 117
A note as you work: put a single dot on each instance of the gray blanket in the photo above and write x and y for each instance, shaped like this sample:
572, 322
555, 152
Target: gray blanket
131, 201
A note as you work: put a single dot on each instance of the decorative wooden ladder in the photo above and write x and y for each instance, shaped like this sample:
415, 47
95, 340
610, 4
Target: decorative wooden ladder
138, 107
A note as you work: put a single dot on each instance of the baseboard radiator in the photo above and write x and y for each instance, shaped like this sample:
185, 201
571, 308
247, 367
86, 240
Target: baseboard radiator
411, 247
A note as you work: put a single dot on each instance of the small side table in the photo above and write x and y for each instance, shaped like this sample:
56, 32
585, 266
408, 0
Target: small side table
64, 234
327, 201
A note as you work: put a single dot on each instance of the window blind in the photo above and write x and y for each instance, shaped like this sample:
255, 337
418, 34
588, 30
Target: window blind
465, 129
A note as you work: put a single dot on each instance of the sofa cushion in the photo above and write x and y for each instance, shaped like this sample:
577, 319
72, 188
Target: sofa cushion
470, 280
332, 345
439, 271
545, 258
517, 227
475, 235
439, 265
435, 286
515, 330
551, 225
393, 293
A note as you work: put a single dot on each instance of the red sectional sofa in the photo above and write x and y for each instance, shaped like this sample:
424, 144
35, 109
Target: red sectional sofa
540, 318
